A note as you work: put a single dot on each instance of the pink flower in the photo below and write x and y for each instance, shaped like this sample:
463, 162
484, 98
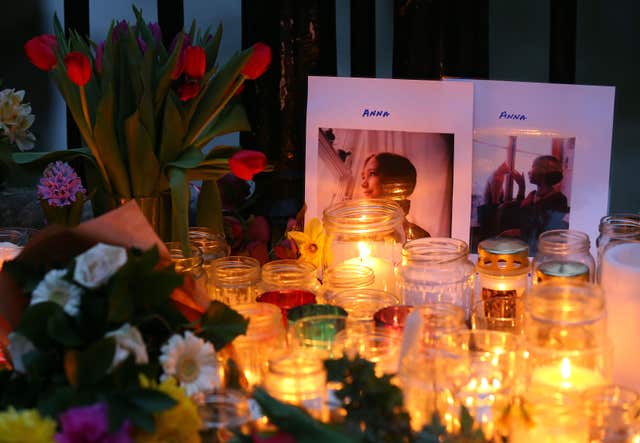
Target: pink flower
90, 424
59, 185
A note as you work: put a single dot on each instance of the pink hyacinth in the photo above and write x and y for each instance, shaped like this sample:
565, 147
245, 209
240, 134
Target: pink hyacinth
90, 424
59, 185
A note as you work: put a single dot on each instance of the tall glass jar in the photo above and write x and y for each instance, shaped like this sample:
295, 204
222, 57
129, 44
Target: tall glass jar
436, 270
365, 232
563, 255
613, 413
616, 228
341, 277
235, 279
289, 274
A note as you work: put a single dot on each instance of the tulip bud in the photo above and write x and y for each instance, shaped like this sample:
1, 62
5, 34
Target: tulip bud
245, 164
195, 61
41, 51
99, 57
78, 68
188, 90
259, 61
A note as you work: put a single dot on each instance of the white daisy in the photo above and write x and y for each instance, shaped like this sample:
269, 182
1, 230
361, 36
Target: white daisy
54, 288
192, 361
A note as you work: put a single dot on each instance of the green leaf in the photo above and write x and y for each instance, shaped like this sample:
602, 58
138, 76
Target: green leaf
61, 328
33, 323
217, 93
121, 304
233, 119
179, 206
104, 132
144, 168
164, 79
221, 324
172, 130
189, 158
94, 362
207, 173
209, 213
220, 155
59, 32
64, 155
212, 47
151, 400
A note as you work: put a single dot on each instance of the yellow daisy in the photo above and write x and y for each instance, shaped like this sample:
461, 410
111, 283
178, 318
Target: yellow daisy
16, 425
178, 424
310, 242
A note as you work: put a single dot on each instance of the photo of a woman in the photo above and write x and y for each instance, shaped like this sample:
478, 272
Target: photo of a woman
413, 169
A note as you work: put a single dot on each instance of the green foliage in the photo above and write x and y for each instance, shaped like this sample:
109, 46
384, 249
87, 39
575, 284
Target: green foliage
220, 324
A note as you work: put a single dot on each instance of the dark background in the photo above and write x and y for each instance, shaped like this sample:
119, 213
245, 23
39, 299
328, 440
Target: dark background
579, 41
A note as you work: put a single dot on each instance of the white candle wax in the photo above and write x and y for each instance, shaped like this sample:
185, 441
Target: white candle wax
383, 270
620, 280
8, 251
567, 377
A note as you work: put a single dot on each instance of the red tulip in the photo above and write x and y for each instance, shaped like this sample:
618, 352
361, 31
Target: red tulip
259, 230
259, 251
259, 61
78, 67
188, 90
195, 61
41, 51
245, 164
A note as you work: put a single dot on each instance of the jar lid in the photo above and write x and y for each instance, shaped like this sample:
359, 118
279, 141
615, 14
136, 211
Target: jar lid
503, 255
562, 269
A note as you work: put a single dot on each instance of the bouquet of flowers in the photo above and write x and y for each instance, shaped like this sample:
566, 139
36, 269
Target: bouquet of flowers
61, 194
102, 350
146, 111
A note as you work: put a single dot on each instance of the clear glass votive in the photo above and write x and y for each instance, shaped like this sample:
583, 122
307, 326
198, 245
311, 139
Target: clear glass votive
346, 276
265, 335
11, 242
436, 270
563, 246
287, 299
298, 378
361, 304
378, 346
491, 381
616, 228
317, 334
235, 279
289, 274
436, 320
499, 313
213, 245
191, 265
223, 415
565, 316
613, 413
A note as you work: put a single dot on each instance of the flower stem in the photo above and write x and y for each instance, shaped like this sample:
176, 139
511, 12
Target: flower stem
85, 109
220, 107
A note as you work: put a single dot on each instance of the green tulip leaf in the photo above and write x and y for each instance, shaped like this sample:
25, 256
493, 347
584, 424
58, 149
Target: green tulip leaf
209, 212
24, 158
232, 119
144, 167
172, 130
180, 206
190, 158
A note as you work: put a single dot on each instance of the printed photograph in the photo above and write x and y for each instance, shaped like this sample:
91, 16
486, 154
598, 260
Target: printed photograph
412, 168
521, 186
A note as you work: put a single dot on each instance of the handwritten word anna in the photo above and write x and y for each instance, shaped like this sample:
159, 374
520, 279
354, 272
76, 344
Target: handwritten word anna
374, 113
505, 114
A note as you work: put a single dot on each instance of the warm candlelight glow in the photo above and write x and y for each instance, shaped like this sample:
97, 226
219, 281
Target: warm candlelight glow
382, 269
567, 377
365, 251
8, 251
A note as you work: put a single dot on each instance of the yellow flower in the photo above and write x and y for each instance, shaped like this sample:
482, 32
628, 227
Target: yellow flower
26, 426
178, 424
310, 242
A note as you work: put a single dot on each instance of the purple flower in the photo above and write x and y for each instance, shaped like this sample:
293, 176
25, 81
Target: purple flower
89, 424
99, 57
141, 44
156, 32
59, 185
120, 30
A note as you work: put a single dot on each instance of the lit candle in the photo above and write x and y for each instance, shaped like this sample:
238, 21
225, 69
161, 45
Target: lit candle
567, 377
383, 270
8, 251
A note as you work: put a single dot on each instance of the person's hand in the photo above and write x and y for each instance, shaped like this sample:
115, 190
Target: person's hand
518, 177
496, 183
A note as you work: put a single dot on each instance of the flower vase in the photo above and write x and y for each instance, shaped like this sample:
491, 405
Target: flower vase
157, 211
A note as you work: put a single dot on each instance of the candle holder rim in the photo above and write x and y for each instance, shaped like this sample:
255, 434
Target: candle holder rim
560, 240
298, 313
436, 250
580, 293
333, 275
384, 215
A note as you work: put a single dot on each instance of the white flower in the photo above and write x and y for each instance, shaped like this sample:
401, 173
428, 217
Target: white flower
128, 341
16, 119
19, 346
192, 361
54, 288
98, 264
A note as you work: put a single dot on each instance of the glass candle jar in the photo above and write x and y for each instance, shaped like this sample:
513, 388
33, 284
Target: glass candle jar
392, 317
361, 304
503, 268
287, 299
223, 415
428, 323
616, 228
235, 279
311, 310
317, 334
565, 316
378, 346
212, 244
365, 232
613, 414
190, 265
563, 255
11, 242
341, 277
499, 313
436, 270
298, 378
289, 274
265, 335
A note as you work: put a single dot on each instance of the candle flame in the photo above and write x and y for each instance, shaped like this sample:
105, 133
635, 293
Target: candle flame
565, 368
365, 251
502, 286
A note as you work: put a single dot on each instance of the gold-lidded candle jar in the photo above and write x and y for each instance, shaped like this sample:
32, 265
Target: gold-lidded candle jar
503, 268
235, 279
436, 270
365, 232
564, 252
